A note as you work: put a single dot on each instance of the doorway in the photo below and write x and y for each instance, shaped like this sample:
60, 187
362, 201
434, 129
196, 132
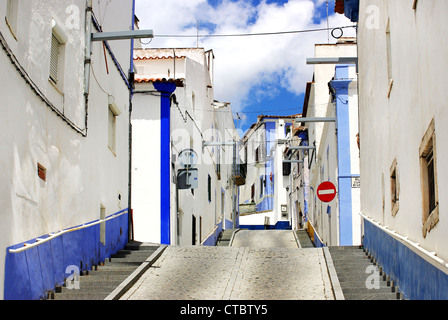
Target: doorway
193, 230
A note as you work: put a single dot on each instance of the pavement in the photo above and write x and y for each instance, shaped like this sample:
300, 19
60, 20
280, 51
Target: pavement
259, 265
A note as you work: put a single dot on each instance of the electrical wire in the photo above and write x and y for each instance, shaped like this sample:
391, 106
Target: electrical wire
249, 34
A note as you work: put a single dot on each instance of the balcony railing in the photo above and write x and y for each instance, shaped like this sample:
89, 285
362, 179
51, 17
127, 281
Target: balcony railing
239, 174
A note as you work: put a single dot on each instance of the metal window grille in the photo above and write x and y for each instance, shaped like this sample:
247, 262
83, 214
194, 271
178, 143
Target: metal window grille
431, 181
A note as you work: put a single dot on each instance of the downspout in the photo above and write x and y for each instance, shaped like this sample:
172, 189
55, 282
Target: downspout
174, 55
131, 92
87, 59
173, 99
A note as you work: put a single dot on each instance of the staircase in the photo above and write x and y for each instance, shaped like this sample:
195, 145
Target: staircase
225, 237
356, 270
304, 239
105, 279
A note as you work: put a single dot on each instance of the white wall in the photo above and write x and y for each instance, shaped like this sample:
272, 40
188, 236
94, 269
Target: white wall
146, 167
82, 172
419, 66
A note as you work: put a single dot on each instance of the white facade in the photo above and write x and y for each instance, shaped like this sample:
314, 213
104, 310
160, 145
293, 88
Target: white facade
298, 192
264, 197
336, 157
64, 159
192, 118
402, 69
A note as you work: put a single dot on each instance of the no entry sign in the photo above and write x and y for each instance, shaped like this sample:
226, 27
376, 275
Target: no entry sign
326, 192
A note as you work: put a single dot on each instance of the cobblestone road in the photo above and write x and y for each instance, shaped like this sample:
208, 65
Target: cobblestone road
262, 265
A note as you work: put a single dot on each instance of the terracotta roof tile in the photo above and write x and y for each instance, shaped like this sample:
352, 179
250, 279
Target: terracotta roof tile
148, 79
142, 54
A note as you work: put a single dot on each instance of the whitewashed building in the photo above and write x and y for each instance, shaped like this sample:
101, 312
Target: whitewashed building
298, 171
403, 63
174, 113
64, 141
335, 155
264, 197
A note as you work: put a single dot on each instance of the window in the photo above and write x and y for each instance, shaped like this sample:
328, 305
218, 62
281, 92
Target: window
57, 55
428, 174
261, 186
12, 7
394, 188
286, 168
252, 193
113, 113
257, 156
218, 163
112, 122
54, 59
193, 230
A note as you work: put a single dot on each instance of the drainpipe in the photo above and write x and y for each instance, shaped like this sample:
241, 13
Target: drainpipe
131, 94
87, 58
174, 56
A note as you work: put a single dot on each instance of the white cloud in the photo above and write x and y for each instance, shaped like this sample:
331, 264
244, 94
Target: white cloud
244, 62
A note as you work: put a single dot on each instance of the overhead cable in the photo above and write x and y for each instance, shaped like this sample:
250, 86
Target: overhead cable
248, 34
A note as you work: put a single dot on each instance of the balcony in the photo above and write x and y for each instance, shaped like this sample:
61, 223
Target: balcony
239, 174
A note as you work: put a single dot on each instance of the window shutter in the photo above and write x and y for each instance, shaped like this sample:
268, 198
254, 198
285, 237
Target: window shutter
54, 59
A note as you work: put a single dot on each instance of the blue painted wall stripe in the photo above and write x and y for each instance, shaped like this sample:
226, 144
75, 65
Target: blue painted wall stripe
416, 278
343, 154
30, 274
166, 90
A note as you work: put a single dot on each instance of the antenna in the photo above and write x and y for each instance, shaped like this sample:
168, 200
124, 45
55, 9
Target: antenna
328, 25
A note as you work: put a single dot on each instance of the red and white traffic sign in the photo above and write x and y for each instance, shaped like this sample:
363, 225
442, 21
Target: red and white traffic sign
326, 192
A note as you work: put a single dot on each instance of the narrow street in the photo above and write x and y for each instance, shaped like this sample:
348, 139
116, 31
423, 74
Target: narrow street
260, 265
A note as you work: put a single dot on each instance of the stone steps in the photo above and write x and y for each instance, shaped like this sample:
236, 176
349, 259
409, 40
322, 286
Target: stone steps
225, 237
304, 239
359, 277
103, 280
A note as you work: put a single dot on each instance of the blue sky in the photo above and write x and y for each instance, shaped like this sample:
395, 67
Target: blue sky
257, 75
